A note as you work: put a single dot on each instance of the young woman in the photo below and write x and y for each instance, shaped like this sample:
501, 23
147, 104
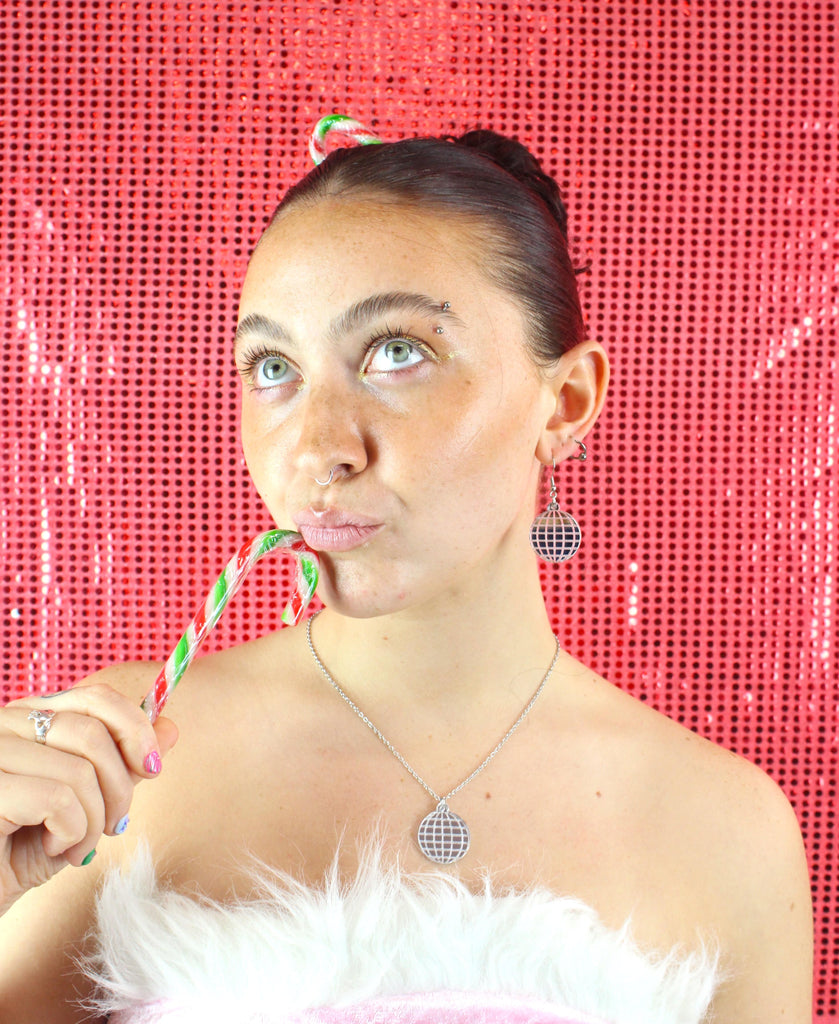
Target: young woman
412, 353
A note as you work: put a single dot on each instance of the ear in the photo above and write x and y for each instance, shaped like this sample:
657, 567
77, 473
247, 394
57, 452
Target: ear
578, 382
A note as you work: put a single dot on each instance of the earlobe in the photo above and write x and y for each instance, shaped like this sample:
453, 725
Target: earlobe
579, 383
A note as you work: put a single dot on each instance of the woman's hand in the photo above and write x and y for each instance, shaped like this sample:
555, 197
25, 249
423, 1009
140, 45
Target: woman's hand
57, 797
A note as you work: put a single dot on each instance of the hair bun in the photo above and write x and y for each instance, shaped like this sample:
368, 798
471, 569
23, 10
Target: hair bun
516, 159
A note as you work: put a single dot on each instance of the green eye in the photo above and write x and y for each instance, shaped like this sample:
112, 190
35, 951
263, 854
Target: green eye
396, 354
273, 369
398, 351
262, 370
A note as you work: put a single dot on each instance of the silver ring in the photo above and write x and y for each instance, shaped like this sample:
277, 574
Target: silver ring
326, 483
43, 723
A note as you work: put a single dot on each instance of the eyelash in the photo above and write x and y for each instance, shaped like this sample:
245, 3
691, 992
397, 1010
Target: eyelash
252, 357
393, 334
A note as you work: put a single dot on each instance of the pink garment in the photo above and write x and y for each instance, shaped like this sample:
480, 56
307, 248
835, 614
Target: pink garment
413, 1008
443, 1008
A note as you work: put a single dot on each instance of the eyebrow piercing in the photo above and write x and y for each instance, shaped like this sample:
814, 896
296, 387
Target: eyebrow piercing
446, 305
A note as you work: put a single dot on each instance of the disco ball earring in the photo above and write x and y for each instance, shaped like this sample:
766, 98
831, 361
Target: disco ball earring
555, 535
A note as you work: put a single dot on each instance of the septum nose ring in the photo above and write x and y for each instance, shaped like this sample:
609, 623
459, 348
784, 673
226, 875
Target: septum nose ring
328, 481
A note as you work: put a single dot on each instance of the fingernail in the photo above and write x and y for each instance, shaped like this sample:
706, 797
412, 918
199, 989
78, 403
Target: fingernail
152, 763
121, 825
88, 858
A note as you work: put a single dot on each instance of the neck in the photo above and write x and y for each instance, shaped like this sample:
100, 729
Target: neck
463, 650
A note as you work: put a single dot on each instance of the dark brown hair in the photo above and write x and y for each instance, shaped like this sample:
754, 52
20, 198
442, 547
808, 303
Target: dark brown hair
498, 185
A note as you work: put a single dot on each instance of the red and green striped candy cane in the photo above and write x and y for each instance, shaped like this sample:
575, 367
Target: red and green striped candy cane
343, 125
223, 589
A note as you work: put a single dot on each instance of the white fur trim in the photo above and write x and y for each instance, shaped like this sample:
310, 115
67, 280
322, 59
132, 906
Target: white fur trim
384, 934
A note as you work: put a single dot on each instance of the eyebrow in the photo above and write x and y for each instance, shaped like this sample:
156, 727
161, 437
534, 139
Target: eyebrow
359, 313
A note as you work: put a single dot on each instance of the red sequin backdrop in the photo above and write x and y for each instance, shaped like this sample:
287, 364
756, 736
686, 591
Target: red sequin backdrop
143, 145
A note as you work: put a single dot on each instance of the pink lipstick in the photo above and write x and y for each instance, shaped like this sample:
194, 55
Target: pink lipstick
335, 530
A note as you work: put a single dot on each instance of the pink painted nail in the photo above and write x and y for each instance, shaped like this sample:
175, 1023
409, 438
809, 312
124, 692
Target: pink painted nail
152, 763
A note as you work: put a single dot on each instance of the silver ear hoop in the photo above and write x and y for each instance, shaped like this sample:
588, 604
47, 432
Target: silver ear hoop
583, 451
327, 482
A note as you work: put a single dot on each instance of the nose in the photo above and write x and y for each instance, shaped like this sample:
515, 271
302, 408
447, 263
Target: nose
331, 438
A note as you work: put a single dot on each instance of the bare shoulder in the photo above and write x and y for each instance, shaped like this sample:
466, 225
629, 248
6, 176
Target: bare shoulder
132, 679
729, 852
234, 709
726, 803
748, 836
211, 678
728, 796
724, 795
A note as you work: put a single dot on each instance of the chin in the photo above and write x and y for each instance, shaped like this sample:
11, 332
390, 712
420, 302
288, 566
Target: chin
346, 590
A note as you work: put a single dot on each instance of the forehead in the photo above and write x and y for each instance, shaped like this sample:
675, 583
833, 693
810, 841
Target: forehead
339, 249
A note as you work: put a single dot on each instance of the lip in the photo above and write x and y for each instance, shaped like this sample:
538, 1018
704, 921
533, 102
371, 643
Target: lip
334, 529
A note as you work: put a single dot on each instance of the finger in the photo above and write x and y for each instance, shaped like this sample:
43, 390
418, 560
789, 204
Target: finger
80, 737
167, 734
27, 801
132, 732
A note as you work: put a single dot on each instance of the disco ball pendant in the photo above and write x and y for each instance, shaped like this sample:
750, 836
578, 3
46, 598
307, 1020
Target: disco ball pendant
555, 535
443, 836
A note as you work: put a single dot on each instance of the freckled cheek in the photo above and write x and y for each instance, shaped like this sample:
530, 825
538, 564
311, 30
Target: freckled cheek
488, 447
451, 450
250, 443
266, 455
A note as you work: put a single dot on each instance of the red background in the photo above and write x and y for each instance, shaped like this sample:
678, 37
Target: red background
143, 145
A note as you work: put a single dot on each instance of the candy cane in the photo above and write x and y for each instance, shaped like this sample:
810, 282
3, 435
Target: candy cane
224, 588
343, 125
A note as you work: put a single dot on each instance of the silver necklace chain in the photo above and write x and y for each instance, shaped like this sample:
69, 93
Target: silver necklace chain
442, 809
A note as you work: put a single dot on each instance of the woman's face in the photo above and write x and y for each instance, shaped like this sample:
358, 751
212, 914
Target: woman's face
369, 342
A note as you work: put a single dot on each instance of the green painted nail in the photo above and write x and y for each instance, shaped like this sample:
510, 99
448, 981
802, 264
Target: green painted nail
88, 858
